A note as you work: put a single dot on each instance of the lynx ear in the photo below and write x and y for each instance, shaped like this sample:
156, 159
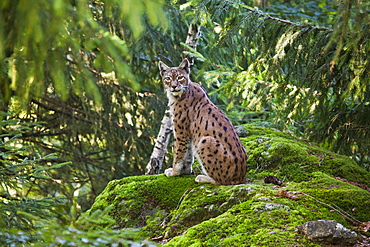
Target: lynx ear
162, 67
185, 65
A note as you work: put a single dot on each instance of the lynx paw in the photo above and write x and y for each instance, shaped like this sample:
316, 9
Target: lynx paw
205, 179
168, 172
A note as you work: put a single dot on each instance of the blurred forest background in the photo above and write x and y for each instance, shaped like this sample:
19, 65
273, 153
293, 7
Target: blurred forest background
81, 99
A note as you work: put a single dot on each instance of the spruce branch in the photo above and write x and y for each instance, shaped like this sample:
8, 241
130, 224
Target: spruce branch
267, 16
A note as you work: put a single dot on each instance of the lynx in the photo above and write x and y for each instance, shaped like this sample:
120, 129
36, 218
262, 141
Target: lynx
201, 130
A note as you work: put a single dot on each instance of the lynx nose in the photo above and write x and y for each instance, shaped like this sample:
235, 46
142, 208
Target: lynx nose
174, 85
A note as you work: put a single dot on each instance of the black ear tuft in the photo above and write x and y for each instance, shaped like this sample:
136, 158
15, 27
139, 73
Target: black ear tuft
185, 65
162, 67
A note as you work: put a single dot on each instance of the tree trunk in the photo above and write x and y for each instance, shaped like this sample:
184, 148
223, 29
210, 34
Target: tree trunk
160, 146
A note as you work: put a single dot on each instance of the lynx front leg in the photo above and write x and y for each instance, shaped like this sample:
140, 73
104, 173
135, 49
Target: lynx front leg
183, 160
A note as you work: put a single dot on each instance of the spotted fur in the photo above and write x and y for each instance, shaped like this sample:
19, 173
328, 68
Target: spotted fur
201, 130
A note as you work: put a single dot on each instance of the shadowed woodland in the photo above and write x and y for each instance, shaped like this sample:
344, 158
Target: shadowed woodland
81, 98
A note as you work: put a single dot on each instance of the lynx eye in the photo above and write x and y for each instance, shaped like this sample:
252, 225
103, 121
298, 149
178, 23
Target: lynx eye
167, 79
181, 78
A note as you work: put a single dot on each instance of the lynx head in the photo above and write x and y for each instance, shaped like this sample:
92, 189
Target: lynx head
175, 79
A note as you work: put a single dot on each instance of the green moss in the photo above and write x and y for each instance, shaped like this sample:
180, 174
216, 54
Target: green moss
135, 198
253, 214
296, 160
246, 225
265, 219
338, 196
211, 201
241, 215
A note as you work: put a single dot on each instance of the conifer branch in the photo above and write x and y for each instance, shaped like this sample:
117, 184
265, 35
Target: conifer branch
266, 16
71, 112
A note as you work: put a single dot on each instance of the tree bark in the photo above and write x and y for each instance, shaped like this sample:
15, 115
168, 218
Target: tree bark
192, 39
160, 145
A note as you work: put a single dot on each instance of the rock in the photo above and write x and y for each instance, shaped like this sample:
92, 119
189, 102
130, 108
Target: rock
262, 139
242, 132
176, 211
328, 232
271, 206
264, 198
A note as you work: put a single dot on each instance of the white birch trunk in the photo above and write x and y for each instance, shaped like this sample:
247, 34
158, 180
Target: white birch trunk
160, 145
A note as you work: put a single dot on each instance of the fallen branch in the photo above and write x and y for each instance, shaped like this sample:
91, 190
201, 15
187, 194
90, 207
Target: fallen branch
337, 209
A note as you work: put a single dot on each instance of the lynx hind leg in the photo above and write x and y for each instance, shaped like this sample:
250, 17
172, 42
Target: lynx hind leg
205, 179
207, 150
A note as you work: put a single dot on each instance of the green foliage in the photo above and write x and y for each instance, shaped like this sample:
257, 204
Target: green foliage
27, 219
79, 84
20, 172
55, 234
74, 72
318, 13
60, 46
59, 60
310, 80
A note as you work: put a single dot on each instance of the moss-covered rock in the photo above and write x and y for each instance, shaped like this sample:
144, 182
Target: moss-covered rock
176, 211
133, 199
284, 156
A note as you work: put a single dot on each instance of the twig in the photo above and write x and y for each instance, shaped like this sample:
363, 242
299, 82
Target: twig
259, 13
337, 209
